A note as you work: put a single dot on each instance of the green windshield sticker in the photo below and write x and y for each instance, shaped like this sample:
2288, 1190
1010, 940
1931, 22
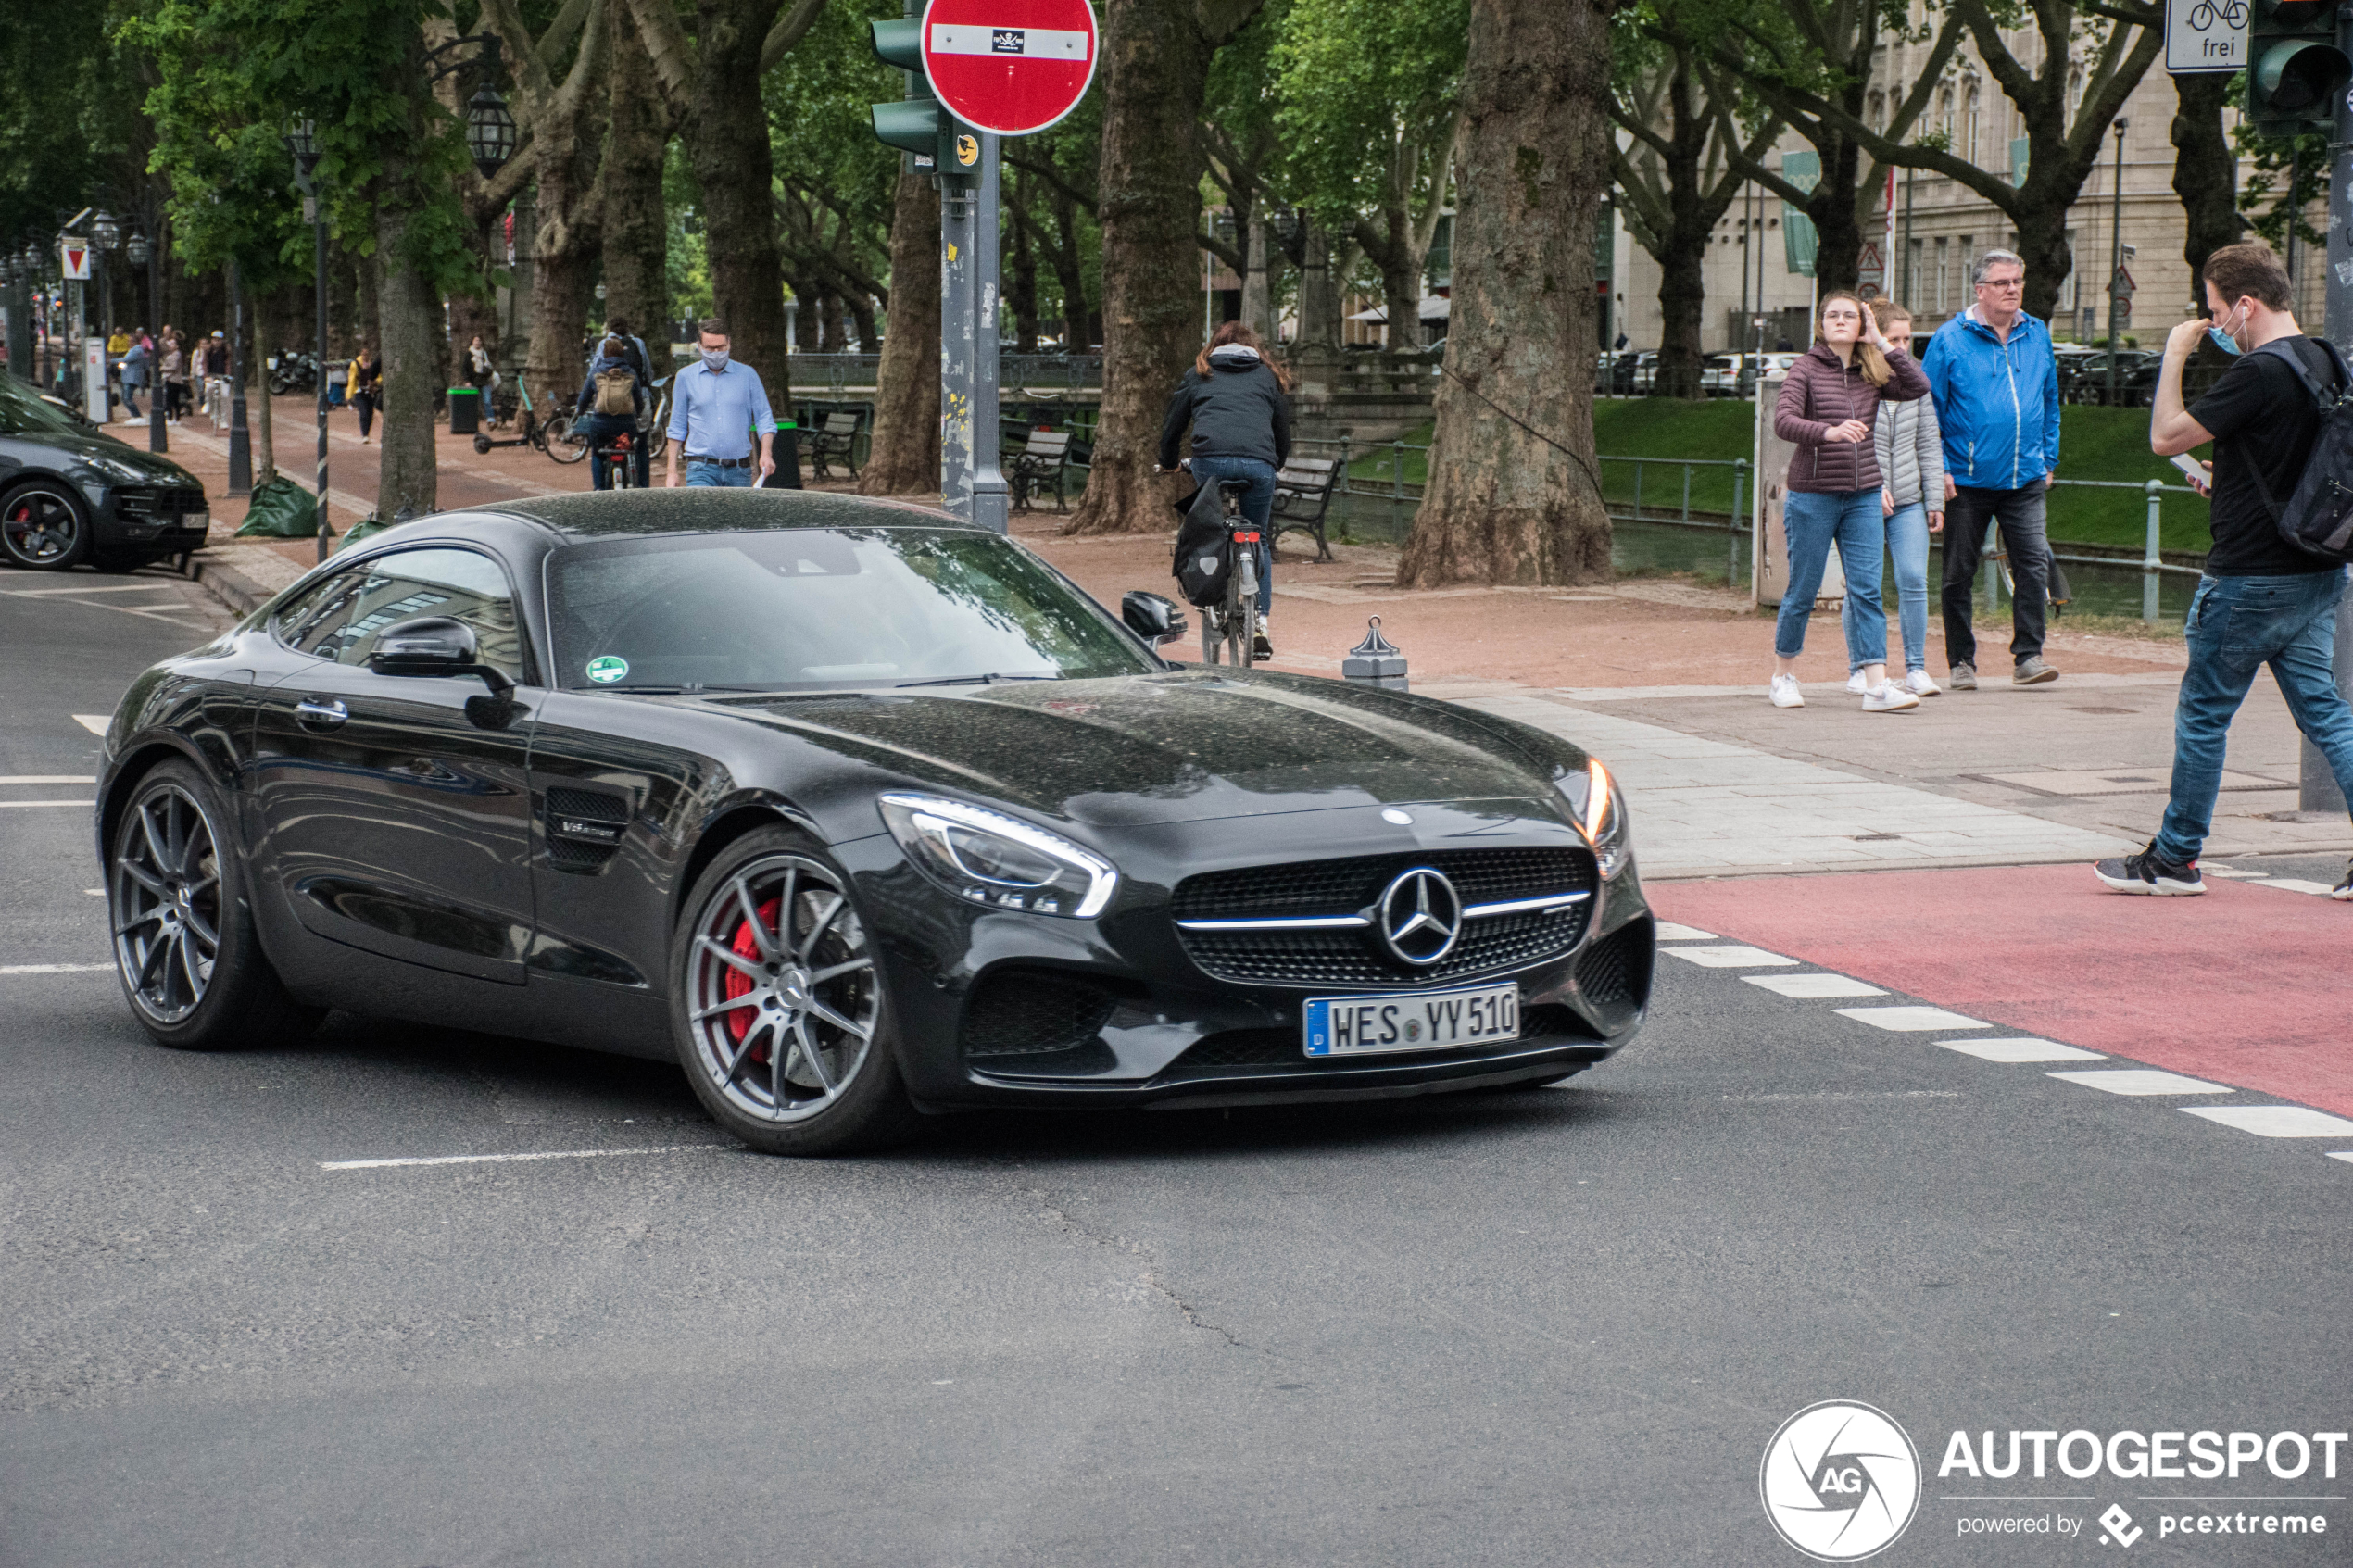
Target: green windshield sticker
607, 670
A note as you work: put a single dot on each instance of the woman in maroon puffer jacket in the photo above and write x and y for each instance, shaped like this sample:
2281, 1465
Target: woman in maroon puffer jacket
1828, 407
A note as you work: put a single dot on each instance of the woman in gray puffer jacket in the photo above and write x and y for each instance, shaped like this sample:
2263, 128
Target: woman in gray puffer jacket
1827, 409
1909, 449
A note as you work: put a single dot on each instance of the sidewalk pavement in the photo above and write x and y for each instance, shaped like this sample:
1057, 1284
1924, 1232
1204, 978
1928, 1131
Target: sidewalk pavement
1662, 678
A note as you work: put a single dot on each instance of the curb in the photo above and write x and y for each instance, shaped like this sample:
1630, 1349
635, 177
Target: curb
232, 588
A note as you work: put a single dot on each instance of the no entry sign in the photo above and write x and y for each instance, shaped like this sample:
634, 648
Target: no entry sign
1009, 67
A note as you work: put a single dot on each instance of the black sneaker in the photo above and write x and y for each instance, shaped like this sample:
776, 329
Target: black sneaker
2148, 873
1260, 647
2344, 888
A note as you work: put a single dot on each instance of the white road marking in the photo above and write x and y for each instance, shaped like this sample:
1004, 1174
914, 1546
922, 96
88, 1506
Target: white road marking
94, 723
95, 892
2275, 1121
2344, 1154
2212, 870
47, 778
151, 586
1811, 988
2143, 1080
53, 967
1669, 931
6, 804
1911, 1020
1729, 958
2025, 1049
2297, 885
509, 1159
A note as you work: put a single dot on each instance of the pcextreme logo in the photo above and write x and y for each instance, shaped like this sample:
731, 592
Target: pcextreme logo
1840, 1481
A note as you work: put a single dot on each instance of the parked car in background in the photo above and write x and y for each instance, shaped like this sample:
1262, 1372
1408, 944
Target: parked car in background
2087, 380
71, 494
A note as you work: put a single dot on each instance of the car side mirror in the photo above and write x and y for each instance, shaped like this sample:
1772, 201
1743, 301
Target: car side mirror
1151, 617
434, 645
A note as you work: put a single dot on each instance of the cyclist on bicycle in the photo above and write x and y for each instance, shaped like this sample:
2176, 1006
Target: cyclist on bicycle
608, 405
641, 361
1235, 400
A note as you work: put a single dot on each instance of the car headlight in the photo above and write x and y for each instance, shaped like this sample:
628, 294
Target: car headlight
1001, 861
1601, 816
113, 468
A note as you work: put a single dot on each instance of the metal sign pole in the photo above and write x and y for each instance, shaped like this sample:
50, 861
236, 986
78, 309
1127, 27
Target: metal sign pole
969, 476
2316, 787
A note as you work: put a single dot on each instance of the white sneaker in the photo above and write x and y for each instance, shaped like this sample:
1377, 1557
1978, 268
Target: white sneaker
1888, 698
1855, 683
1784, 692
1920, 683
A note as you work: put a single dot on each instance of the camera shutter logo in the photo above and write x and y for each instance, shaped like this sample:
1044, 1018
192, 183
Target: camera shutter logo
1841, 1481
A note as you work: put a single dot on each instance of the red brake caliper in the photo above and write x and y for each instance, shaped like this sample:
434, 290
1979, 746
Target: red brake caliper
746, 942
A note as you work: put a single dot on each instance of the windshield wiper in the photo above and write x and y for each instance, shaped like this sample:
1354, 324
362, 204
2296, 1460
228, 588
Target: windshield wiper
981, 679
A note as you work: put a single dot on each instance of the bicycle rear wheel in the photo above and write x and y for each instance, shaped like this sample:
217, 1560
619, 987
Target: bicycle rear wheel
564, 441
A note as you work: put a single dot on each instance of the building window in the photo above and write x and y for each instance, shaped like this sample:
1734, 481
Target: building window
1970, 124
1912, 275
1943, 277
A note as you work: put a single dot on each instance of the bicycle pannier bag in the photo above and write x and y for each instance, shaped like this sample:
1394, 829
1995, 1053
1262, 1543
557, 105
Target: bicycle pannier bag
1205, 556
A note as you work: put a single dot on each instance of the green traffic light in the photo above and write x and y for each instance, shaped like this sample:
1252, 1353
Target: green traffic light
901, 43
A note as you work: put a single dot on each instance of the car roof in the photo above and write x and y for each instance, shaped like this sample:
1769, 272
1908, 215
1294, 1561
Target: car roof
616, 513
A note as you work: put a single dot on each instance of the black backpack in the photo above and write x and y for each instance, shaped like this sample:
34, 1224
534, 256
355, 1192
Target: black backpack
2317, 518
1204, 555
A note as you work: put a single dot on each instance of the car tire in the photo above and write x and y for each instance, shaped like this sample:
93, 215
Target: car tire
44, 526
782, 1026
170, 885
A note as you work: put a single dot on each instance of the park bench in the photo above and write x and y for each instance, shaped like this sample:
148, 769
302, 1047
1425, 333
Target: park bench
1303, 494
1043, 459
835, 439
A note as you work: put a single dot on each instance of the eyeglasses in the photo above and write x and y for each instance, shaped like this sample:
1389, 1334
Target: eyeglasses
2016, 282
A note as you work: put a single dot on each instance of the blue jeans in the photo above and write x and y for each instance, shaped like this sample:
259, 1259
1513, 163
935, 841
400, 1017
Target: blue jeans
703, 474
1908, 552
2237, 626
1809, 521
1258, 507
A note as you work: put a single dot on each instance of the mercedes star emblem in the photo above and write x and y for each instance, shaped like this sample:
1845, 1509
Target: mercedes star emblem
1420, 916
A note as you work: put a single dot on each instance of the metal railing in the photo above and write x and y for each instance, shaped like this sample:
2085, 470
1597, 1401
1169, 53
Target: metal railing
1067, 372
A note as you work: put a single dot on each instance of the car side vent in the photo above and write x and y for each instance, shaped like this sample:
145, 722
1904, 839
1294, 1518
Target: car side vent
583, 828
1020, 1013
1614, 975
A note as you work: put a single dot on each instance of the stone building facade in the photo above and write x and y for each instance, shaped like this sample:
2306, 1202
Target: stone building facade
1942, 225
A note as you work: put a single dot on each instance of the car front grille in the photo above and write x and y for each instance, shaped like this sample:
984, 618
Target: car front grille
1022, 1013
156, 503
1356, 956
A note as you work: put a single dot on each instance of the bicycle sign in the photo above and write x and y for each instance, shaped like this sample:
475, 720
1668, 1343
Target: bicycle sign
2205, 35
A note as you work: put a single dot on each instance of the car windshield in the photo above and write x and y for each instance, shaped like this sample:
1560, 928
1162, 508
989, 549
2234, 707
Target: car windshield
24, 413
822, 609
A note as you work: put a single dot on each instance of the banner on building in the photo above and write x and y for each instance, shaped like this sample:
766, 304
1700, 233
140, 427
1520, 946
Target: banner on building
1799, 242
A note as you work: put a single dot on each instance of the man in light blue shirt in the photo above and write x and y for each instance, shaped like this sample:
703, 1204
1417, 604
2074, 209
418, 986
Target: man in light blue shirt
714, 412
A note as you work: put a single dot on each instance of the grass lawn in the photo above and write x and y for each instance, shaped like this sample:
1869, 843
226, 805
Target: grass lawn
2094, 443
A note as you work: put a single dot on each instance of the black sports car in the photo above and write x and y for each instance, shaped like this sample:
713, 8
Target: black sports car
855, 812
70, 493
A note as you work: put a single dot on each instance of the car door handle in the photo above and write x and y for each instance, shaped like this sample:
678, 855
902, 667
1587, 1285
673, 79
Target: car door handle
321, 713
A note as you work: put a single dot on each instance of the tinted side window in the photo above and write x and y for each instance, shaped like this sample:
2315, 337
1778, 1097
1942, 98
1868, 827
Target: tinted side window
298, 620
408, 584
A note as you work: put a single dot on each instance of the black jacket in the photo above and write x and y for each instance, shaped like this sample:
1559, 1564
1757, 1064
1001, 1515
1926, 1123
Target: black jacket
1238, 410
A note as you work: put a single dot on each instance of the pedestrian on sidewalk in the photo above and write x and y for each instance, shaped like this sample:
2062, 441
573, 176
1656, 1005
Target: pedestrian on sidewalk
175, 377
135, 359
216, 377
2261, 600
1995, 383
1236, 401
714, 414
1829, 410
477, 364
1910, 452
364, 385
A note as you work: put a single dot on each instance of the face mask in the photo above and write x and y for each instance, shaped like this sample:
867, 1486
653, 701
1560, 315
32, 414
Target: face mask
714, 359
2224, 340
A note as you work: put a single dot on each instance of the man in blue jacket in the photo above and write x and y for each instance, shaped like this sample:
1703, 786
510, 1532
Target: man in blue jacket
1997, 389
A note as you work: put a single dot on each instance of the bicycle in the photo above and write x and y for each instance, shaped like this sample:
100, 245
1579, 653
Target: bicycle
553, 436
1232, 626
617, 460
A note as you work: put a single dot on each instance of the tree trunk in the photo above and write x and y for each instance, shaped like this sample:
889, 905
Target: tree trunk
637, 227
1682, 307
905, 459
1070, 277
407, 312
1838, 238
861, 321
1401, 281
264, 345
2205, 174
1021, 288
565, 249
1506, 504
472, 315
808, 317
727, 142
1258, 293
1156, 57
1316, 356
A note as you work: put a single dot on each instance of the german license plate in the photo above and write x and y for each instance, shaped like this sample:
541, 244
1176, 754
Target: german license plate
1426, 1021
196, 522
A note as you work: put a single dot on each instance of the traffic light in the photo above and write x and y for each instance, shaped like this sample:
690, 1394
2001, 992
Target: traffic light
917, 125
2295, 68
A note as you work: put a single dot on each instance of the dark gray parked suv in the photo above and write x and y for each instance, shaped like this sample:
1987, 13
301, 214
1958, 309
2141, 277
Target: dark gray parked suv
71, 494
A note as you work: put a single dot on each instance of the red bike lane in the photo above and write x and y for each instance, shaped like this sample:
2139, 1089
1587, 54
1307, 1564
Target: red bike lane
2248, 985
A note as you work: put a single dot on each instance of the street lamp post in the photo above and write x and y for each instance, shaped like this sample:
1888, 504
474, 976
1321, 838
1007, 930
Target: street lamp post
142, 254
303, 141
2116, 266
105, 233
240, 436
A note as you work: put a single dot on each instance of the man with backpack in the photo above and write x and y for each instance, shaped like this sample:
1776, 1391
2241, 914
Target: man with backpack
607, 409
2264, 599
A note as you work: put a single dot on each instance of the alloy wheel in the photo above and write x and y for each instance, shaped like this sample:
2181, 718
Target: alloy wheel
41, 527
166, 903
781, 991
